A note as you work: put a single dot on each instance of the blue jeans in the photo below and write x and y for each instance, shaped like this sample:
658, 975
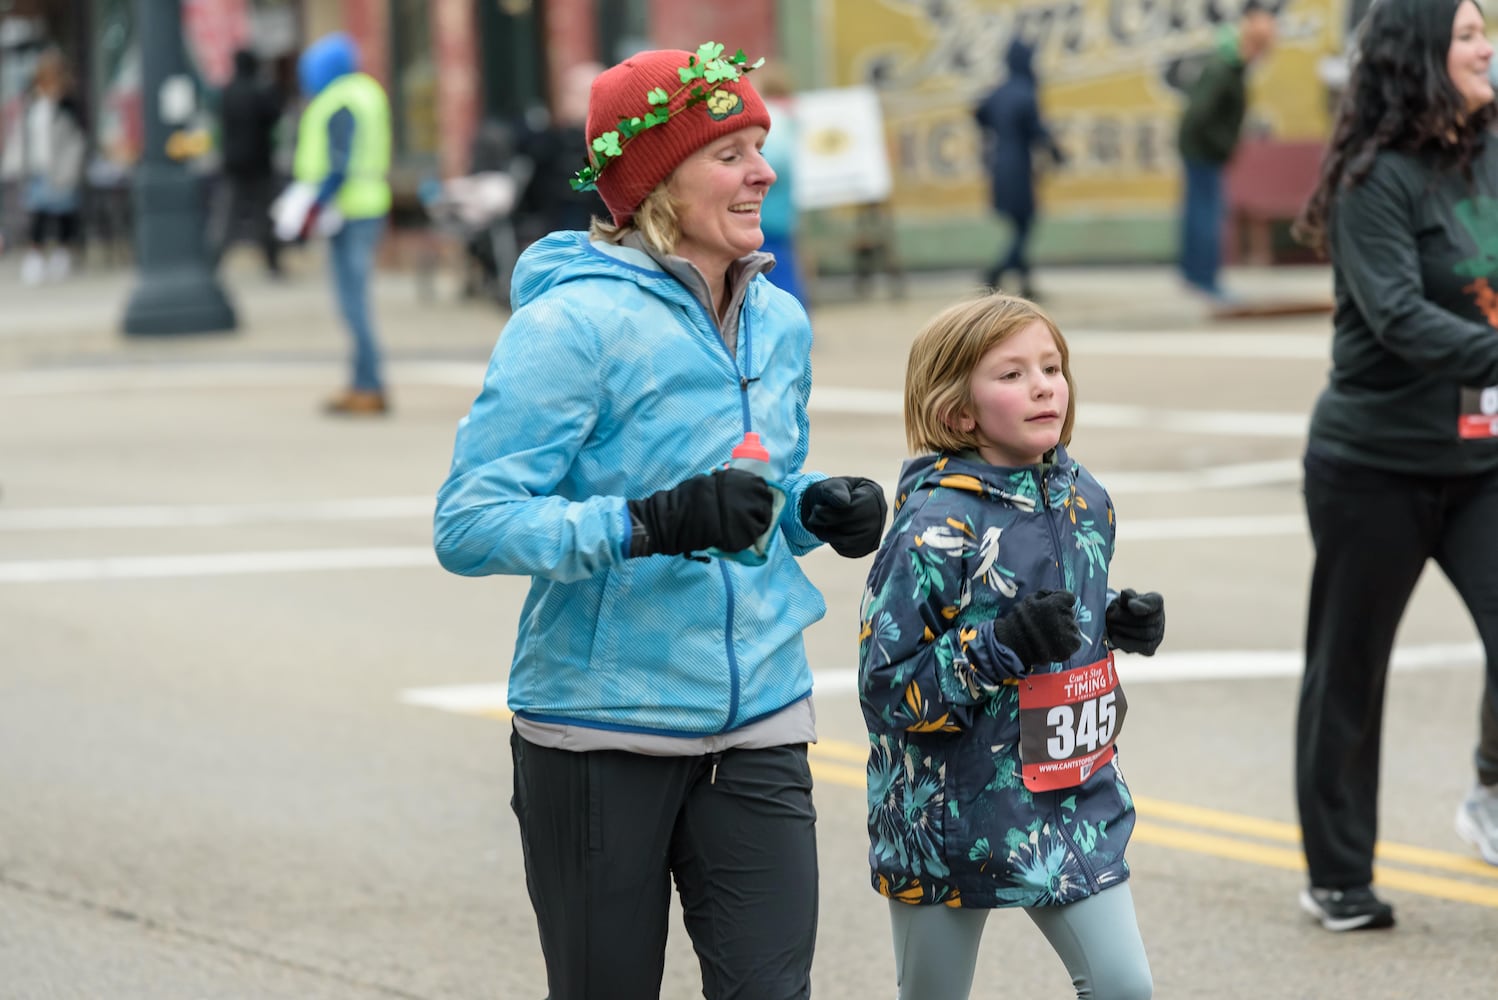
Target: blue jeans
1201, 225
352, 254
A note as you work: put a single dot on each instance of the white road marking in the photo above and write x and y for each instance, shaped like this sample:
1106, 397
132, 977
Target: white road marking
1242, 423
1210, 477
213, 564
465, 699
1170, 529
398, 508
1235, 423
1200, 665
214, 515
1249, 474
1227, 665
1266, 344
391, 557
824, 399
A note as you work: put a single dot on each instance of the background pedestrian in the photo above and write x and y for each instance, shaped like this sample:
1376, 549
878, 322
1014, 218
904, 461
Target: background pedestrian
1011, 128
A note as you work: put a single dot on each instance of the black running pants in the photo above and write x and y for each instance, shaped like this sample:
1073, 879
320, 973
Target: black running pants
1373, 533
603, 833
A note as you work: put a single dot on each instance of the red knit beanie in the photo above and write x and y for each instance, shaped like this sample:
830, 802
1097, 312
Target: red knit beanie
649, 158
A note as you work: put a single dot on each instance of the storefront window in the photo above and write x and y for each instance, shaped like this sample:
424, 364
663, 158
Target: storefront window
118, 128
413, 81
623, 29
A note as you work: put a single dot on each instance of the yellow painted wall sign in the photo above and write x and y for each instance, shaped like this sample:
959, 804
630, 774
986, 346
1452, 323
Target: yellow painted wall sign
1106, 68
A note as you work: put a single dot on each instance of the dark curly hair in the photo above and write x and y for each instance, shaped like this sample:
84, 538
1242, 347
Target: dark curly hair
1399, 96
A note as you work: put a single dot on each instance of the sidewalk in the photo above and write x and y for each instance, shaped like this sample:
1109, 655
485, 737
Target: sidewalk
79, 321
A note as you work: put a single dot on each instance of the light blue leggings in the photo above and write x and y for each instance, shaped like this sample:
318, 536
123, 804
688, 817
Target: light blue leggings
936, 947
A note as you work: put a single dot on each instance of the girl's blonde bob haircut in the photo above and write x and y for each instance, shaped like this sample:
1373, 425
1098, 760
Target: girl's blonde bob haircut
938, 379
655, 220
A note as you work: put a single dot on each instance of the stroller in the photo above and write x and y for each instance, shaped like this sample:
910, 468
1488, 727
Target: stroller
477, 212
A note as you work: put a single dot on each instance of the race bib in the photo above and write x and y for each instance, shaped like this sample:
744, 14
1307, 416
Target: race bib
1067, 724
1479, 415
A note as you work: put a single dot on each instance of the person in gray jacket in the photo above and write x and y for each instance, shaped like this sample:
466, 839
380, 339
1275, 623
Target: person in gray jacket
1401, 465
45, 153
659, 680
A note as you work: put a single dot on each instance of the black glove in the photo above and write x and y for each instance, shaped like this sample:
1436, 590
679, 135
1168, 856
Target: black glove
846, 512
1041, 628
1136, 622
727, 510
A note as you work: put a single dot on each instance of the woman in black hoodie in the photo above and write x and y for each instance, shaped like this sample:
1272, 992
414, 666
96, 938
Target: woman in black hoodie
1402, 462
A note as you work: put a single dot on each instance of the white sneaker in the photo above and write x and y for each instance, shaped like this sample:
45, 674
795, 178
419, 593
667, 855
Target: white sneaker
33, 268
59, 264
1477, 821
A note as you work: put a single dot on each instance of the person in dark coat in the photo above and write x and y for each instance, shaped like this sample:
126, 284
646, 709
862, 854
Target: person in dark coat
1012, 127
549, 203
249, 113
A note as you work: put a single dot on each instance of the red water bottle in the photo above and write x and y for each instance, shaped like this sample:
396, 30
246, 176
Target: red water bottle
752, 456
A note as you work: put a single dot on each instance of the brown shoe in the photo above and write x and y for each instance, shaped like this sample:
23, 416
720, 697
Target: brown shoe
357, 403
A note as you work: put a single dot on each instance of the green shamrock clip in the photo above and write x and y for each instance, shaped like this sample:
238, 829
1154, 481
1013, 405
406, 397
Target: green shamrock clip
707, 66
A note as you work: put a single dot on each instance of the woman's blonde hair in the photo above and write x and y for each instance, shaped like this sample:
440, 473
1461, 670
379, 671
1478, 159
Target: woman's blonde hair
938, 378
655, 220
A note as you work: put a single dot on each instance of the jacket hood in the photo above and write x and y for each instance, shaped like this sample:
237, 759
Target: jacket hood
1020, 59
564, 256
1015, 486
325, 60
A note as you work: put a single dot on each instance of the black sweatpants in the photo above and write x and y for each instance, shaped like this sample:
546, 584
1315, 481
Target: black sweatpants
240, 202
60, 227
1373, 532
603, 833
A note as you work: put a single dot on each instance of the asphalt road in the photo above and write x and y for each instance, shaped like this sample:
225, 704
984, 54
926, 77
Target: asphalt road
252, 740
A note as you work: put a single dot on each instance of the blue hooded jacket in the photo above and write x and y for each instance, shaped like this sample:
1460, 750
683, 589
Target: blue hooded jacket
611, 382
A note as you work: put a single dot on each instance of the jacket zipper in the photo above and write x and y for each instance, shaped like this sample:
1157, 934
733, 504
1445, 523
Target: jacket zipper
1082, 860
1045, 505
733, 660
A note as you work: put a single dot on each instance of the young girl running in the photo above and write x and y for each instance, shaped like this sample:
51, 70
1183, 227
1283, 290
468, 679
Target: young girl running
986, 674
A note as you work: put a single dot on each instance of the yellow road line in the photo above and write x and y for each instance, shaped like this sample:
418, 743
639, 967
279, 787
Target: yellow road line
1155, 812
1269, 829
842, 763
1290, 859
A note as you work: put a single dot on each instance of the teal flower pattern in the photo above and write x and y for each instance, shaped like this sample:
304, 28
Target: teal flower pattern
950, 820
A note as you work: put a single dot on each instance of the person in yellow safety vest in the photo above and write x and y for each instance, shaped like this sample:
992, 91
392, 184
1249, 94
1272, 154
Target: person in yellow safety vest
343, 150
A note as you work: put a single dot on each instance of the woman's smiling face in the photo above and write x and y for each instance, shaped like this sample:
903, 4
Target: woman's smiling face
718, 191
1468, 58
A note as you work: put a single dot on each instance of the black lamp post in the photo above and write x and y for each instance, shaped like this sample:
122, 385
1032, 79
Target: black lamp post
176, 290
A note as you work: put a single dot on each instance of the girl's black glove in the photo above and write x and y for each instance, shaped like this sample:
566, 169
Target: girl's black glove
1041, 628
727, 509
1136, 622
846, 512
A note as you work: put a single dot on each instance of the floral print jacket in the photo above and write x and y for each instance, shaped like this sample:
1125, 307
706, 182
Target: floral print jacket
950, 820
